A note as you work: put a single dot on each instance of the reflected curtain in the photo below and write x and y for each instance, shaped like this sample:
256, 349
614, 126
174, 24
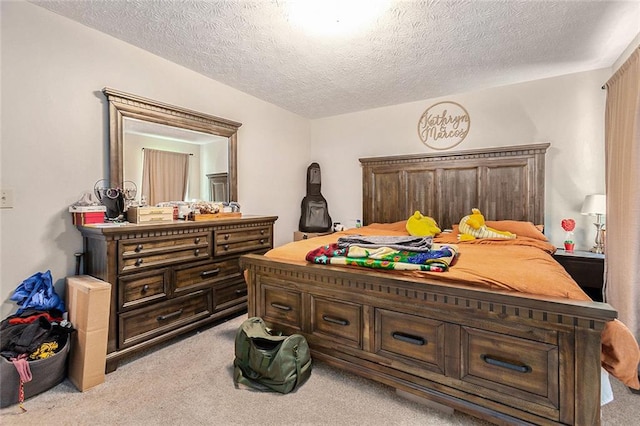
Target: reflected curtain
165, 176
622, 151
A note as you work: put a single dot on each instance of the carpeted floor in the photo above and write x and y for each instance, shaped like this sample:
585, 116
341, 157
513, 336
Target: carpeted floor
189, 382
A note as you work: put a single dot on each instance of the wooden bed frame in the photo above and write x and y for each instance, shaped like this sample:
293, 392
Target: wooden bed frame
500, 356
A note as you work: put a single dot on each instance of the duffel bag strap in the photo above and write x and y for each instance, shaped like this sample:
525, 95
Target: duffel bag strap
295, 355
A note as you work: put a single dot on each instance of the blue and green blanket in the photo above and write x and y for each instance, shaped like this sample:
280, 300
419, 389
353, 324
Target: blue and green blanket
387, 254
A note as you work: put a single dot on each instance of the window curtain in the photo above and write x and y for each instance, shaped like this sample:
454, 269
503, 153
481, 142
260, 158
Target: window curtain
622, 165
165, 176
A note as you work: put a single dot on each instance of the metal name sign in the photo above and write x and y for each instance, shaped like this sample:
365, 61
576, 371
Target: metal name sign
444, 125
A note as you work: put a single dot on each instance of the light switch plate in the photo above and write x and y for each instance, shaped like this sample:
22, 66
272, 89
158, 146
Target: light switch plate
6, 198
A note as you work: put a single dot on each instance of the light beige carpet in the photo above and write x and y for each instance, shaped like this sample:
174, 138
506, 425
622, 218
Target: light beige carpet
189, 382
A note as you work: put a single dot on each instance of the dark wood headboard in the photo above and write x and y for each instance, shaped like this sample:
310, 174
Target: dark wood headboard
504, 183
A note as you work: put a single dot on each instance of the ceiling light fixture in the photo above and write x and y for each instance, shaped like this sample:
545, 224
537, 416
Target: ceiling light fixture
334, 17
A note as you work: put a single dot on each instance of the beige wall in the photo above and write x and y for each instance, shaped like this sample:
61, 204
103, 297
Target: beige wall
54, 135
566, 111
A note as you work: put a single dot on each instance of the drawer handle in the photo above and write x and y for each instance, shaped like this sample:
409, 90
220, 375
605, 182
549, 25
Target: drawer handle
226, 236
334, 320
206, 274
408, 338
139, 261
261, 241
171, 315
138, 248
520, 368
196, 252
145, 289
281, 307
262, 232
226, 247
241, 292
197, 240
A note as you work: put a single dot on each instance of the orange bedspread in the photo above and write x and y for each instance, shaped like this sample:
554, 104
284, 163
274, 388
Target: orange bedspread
523, 265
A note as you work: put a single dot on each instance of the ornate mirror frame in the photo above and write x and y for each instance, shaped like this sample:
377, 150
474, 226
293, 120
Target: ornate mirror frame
122, 105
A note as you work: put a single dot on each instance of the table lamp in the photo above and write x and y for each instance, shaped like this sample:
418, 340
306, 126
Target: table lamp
596, 205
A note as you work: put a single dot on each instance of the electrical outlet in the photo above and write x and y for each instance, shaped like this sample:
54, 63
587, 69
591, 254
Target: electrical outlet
6, 198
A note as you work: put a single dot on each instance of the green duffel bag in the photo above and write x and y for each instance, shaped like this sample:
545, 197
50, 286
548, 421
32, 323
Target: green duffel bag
267, 362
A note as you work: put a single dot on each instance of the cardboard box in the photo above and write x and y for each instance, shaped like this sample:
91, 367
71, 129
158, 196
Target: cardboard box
299, 235
88, 305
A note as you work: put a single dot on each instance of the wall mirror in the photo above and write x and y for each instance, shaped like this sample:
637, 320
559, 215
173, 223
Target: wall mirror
137, 123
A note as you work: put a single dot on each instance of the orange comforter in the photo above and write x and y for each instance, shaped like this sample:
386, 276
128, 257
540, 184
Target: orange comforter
498, 265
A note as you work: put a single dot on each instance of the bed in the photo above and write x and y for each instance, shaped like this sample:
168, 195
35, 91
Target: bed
483, 337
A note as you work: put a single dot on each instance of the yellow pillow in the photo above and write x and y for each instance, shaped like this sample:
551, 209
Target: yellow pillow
518, 227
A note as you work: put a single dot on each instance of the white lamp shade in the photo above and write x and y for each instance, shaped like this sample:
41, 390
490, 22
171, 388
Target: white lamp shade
594, 204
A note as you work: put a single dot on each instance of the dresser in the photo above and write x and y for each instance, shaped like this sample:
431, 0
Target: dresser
171, 278
586, 268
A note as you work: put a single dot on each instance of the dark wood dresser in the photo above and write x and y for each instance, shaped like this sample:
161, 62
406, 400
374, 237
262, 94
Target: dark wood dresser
586, 268
171, 278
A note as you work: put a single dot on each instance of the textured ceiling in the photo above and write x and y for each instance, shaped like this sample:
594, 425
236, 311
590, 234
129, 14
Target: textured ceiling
413, 50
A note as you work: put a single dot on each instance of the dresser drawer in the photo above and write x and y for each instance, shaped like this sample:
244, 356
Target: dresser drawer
144, 253
143, 287
239, 240
230, 295
194, 275
143, 324
282, 306
513, 367
338, 321
410, 338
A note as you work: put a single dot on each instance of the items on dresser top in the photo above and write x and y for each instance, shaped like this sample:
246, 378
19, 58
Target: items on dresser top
86, 214
174, 210
169, 278
150, 214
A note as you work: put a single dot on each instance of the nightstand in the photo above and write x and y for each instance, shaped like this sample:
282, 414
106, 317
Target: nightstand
586, 268
299, 235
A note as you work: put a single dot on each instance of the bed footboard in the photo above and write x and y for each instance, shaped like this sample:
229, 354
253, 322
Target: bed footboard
502, 357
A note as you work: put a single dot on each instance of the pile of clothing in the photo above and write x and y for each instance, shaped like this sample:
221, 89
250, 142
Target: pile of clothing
386, 252
37, 330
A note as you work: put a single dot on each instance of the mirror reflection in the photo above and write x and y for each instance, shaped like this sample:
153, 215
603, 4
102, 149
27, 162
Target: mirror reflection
207, 146
158, 146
